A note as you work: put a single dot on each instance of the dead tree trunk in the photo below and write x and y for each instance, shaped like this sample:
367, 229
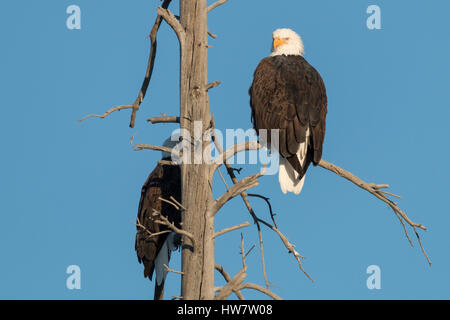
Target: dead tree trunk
198, 262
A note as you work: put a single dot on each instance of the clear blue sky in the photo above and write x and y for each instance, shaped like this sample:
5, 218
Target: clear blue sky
69, 191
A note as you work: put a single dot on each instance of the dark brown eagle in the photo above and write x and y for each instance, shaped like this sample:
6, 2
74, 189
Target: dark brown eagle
154, 250
288, 94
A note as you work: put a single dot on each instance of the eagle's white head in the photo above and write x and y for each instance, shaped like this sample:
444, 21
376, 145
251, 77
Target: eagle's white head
170, 142
287, 42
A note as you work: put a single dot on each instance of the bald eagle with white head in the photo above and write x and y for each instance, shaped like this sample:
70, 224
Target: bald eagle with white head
288, 94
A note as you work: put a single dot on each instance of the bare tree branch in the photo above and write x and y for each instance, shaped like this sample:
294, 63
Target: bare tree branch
148, 74
283, 238
173, 204
212, 35
292, 250
164, 119
368, 187
224, 273
139, 147
177, 203
234, 283
233, 150
164, 221
171, 270
151, 63
150, 234
173, 22
227, 278
374, 190
223, 179
266, 199
261, 248
216, 4
235, 190
253, 286
212, 85
107, 113
167, 163
242, 225
230, 171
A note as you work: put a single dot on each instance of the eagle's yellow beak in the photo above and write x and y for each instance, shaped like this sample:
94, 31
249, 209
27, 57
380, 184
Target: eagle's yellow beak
278, 42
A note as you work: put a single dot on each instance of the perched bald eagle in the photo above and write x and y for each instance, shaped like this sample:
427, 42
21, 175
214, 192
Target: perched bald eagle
154, 251
288, 94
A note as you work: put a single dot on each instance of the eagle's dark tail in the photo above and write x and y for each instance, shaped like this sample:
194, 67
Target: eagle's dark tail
159, 291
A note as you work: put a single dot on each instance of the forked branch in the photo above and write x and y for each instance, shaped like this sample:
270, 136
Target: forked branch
235, 190
173, 22
235, 284
164, 221
232, 285
148, 74
227, 278
258, 221
374, 189
148, 232
230, 171
236, 281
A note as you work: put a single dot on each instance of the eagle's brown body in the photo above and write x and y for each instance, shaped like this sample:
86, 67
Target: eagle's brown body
163, 182
288, 94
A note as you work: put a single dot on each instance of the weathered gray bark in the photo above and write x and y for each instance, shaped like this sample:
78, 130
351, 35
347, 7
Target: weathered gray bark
198, 262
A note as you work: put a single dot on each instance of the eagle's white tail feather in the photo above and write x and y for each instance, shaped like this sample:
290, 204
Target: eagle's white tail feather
288, 178
163, 258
